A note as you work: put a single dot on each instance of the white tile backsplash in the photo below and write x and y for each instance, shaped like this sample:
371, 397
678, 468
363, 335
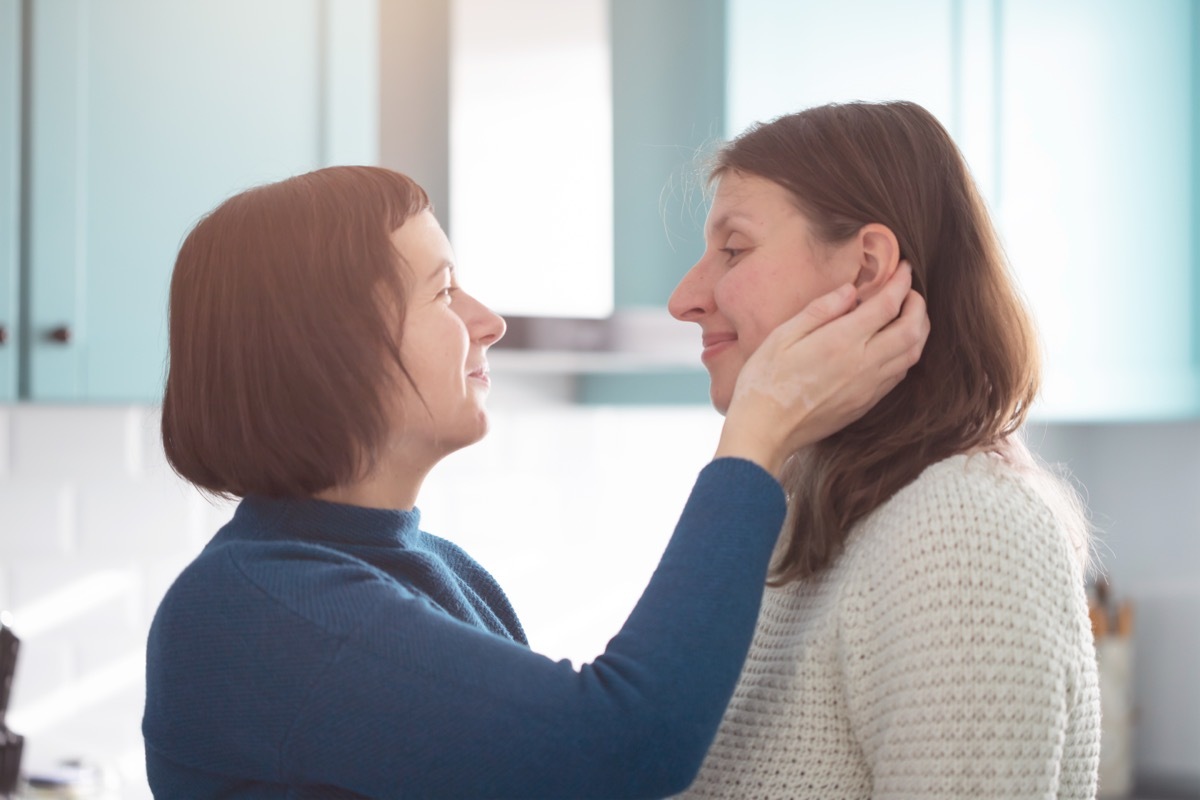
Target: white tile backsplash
45, 669
569, 507
58, 443
5, 435
138, 518
39, 519
77, 600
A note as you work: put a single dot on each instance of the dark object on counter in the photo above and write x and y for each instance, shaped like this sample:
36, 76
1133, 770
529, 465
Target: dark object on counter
9, 645
10, 760
10, 743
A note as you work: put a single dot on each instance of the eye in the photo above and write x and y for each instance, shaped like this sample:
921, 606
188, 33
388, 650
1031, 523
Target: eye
732, 252
447, 293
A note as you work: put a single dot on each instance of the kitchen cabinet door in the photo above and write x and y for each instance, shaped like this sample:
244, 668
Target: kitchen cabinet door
1080, 121
1097, 198
143, 115
787, 55
688, 74
10, 193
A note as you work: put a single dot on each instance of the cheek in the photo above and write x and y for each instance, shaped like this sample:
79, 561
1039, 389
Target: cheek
425, 366
439, 343
756, 307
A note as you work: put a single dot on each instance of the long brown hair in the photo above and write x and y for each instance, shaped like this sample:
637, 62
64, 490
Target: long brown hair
847, 165
286, 304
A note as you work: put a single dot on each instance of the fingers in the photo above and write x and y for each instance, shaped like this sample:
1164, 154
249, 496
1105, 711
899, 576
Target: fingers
878, 310
885, 304
837, 310
900, 343
819, 312
916, 311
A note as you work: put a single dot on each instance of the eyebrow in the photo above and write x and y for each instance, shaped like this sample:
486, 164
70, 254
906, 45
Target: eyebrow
442, 267
725, 220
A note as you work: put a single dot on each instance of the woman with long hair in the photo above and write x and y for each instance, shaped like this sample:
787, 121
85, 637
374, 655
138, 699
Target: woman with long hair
925, 630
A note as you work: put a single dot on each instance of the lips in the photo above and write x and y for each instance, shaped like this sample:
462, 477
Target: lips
715, 343
480, 373
710, 339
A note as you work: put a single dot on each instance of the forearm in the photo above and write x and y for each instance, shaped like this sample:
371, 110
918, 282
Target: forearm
443, 710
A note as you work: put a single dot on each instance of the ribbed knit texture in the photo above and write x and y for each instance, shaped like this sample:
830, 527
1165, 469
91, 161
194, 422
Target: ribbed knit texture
946, 654
321, 650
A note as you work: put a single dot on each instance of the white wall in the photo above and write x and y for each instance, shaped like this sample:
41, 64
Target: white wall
568, 506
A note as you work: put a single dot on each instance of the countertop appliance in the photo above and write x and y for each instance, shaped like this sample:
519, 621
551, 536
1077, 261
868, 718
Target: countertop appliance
10, 743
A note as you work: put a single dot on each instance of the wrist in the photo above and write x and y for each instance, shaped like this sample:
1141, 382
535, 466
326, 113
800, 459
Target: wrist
741, 444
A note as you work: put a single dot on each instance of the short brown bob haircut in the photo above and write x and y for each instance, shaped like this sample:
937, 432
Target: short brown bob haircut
286, 307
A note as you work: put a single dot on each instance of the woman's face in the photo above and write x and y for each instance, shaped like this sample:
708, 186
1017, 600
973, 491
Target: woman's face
443, 346
761, 266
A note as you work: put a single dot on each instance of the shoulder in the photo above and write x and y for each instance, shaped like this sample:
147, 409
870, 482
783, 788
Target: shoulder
458, 561
451, 553
971, 530
461, 563
977, 502
970, 551
977, 480
326, 589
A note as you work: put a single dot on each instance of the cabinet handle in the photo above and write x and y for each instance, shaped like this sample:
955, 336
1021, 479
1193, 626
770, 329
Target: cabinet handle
61, 334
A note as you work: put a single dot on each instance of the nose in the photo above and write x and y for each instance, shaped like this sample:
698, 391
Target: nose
693, 297
485, 326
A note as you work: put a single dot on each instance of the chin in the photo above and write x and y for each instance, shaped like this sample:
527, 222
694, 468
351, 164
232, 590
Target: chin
720, 389
483, 424
720, 401
464, 436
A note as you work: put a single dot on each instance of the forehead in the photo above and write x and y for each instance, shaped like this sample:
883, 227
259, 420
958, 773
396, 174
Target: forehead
748, 199
421, 241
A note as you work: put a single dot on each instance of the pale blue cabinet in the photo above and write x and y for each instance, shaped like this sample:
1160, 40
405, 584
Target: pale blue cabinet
1096, 197
10, 194
142, 115
668, 65
786, 55
1081, 122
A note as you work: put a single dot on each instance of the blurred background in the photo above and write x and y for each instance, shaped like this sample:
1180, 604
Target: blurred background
563, 143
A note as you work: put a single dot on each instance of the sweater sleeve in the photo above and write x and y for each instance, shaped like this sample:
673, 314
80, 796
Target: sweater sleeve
961, 641
413, 703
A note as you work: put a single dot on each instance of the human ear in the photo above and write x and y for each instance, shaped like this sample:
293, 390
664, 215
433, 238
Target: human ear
879, 255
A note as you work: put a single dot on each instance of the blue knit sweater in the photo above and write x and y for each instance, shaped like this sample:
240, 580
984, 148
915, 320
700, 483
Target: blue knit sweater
321, 650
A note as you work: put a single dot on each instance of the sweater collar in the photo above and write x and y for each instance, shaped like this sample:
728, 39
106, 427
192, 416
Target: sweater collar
320, 521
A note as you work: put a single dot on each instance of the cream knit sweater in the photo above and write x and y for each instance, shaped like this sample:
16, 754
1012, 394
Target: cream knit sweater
945, 654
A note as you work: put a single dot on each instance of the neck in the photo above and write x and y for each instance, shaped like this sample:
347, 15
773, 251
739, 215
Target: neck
387, 487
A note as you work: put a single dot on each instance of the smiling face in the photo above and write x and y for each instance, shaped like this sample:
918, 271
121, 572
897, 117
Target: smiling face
443, 346
761, 266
